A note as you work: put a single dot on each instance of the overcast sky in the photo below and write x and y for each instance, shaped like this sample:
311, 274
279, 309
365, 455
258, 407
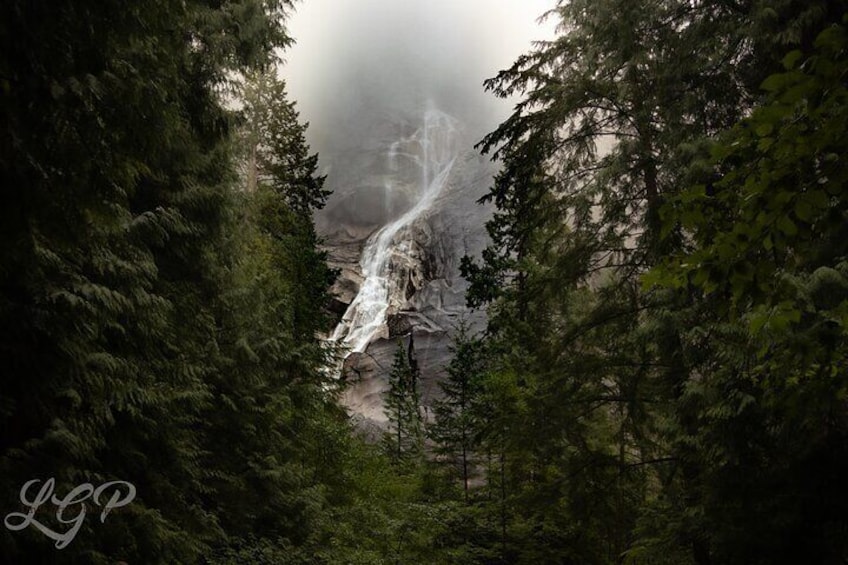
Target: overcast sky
355, 59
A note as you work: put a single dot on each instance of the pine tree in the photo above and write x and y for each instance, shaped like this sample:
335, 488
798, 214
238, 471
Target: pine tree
404, 441
116, 169
289, 190
602, 382
455, 430
616, 119
767, 237
588, 157
274, 430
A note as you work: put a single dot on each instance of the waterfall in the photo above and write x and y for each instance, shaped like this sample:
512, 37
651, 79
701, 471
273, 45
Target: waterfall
433, 148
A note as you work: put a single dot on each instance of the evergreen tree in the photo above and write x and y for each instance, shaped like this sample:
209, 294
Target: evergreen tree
597, 420
455, 430
115, 167
289, 190
767, 255
158, 326
270, 382
588, 156
404, 441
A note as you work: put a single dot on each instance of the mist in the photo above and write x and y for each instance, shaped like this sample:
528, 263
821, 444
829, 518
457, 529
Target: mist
359, 63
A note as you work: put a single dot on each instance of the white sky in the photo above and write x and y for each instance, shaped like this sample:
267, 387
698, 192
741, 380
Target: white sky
352, 56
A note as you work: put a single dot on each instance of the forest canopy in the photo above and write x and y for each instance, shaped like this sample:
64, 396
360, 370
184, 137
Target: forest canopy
663, 375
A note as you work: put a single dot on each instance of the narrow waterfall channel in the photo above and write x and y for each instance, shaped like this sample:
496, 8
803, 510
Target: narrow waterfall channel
432, 149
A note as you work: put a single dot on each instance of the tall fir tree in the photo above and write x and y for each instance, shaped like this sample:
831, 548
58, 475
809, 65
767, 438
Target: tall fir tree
766, 240
454, 432
404, 441
115, 167
617, 117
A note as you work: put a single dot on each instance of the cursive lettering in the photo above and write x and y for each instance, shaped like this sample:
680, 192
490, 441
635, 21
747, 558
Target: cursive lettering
65, 507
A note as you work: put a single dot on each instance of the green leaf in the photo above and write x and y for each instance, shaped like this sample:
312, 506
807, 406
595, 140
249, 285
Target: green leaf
791, 59
654, 277
774, 82
831, 39
768, 243
757, 321
787, 226
700, 276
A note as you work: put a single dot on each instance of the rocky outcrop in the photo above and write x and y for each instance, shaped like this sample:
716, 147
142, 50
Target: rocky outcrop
427, 297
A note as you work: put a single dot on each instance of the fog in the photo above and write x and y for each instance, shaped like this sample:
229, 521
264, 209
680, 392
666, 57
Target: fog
358, 62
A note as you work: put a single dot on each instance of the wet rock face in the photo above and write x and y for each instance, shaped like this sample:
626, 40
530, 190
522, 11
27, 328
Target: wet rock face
367, 373
344, 247
427, 293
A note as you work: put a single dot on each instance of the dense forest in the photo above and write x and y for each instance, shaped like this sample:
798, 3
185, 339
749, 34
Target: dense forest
663, 377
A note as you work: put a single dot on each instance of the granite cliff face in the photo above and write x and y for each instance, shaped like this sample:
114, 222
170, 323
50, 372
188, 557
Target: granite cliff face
402, 215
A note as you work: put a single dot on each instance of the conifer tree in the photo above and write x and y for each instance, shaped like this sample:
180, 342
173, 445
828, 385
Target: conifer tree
767, 239
587, 160
616, 119
273, 428
455, 430
279, 168
404, 441
117, 279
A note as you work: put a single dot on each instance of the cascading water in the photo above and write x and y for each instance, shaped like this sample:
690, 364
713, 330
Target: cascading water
433, 149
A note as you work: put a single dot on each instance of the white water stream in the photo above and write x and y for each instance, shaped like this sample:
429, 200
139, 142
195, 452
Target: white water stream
433, 149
